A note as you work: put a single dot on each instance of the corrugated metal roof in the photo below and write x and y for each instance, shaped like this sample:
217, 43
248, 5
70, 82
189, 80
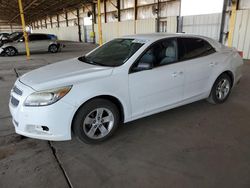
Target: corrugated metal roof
34, 9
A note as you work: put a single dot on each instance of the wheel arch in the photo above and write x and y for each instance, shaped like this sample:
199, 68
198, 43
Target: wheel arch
110, 98
10, 46
230, 74
227, 72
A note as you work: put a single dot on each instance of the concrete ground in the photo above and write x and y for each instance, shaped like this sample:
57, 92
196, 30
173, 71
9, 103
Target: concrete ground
197, 145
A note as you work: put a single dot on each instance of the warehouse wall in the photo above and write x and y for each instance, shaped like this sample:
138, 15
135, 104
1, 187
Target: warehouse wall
241, 37
63, 33
207, 25
118, 29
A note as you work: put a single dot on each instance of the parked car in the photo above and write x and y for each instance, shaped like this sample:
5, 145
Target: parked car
123, 80
10, 38
37, 42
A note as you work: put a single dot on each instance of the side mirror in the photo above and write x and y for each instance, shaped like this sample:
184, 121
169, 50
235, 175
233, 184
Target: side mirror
145, 63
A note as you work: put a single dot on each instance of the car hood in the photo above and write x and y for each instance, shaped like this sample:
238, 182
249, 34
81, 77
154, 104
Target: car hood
63, 73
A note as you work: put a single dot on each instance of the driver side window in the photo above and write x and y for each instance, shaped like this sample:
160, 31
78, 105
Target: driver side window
160, 53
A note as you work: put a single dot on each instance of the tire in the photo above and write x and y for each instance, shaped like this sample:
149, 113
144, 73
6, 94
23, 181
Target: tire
53, 48
220, 90
89, 127
10, 51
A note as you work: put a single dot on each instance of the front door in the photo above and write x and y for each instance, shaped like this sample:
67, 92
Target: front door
156, 79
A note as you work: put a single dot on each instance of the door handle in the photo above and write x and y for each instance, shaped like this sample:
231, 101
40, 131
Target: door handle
213, 64
175, 74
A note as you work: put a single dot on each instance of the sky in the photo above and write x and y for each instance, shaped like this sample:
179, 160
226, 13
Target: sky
197, 7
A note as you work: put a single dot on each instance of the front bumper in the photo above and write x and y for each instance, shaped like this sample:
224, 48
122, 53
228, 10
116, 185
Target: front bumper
52, 122
1, 51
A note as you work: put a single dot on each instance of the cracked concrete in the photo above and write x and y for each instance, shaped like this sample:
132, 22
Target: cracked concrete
197, 145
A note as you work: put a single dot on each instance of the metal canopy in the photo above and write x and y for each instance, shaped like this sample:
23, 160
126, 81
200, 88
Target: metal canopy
35, 9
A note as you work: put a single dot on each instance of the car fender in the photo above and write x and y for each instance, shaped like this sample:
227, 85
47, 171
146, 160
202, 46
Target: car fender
222, 66
103, 89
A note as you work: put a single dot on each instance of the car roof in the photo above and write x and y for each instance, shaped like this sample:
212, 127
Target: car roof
151, 37
157, 36
38, 34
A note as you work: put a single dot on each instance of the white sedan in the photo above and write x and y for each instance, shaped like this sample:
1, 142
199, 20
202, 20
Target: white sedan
123, 80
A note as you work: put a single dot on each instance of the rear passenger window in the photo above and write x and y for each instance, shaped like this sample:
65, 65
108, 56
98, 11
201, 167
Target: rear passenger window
193, 47
36, 37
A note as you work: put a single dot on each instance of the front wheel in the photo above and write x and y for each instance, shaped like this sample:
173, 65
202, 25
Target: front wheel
96, 121
221, 89
10, 51
53, 48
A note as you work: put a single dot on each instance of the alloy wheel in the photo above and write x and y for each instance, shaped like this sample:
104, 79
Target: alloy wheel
10, 52
222, 89
98, 123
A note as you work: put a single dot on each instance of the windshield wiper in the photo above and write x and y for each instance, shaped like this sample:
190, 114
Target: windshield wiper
89, 61
86, 60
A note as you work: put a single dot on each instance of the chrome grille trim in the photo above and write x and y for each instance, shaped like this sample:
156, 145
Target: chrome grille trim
17, 91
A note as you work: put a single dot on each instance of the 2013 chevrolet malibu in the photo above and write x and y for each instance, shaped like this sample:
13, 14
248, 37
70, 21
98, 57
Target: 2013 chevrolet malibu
123, 80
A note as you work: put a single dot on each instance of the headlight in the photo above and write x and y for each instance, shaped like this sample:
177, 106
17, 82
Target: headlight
46, 97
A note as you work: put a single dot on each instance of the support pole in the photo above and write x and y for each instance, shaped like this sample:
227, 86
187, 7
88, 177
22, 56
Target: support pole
158, 16
119, 10
24, 30
51, 24
57, 20
93, 21
46, 26
99, 22
135, 15
66, 18
105, 11
232, 22
78, 24
223, 18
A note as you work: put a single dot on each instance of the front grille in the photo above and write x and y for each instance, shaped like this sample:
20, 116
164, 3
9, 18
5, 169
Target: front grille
17, 91
14, 101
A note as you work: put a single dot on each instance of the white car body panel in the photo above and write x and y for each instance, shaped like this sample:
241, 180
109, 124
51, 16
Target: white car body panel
155, 88
140, 93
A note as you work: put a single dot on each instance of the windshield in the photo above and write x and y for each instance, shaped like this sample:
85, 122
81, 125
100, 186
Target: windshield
113, 53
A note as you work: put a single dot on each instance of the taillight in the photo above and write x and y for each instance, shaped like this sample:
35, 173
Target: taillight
241, 53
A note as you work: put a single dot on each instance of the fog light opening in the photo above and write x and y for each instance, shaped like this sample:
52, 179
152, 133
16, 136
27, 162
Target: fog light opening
45, 128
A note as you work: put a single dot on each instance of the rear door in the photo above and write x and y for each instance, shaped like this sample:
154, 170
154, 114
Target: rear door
39, 42
200, 59
43, 42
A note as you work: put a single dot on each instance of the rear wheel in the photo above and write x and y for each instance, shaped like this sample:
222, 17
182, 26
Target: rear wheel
53, 48
10, 51
221, 89
96, 121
